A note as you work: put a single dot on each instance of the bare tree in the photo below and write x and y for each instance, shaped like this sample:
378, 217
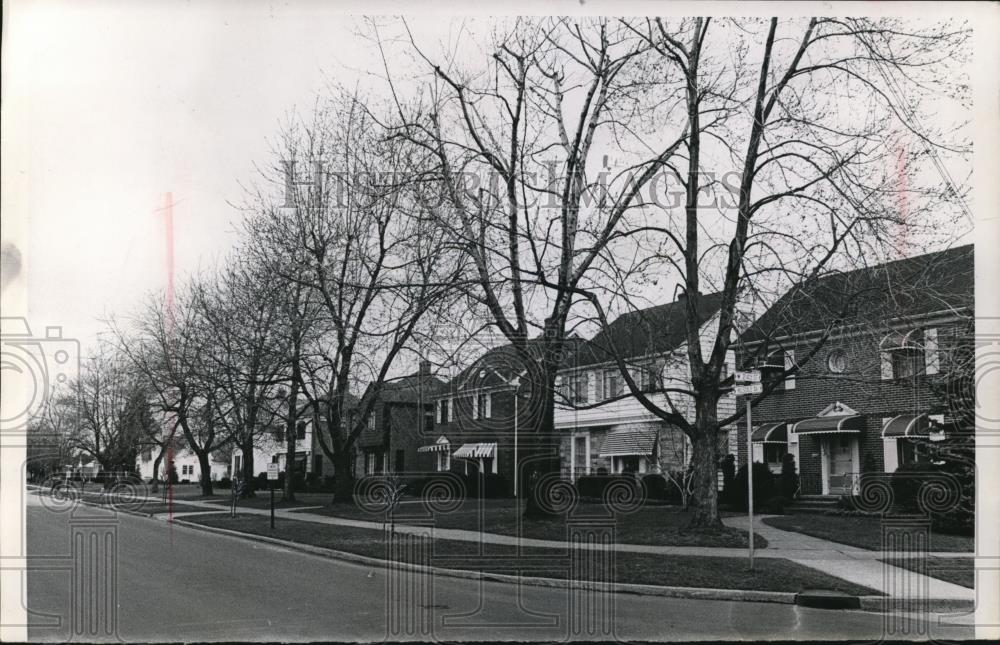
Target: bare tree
245, 351
357, 241
815, 128
112, 410
514, 143
171, 347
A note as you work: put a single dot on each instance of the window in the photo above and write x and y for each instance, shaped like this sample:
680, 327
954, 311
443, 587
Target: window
443, 460
318, 465
238, 464
279, 435
910, 354
300, 430
774, 452
444, 410
629, 465
483, 406
400, 461
580, 462
836, 361
578, 387
612, 383
776, 364
371, 420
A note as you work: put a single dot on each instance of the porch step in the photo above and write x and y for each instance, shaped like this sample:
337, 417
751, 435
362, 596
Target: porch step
813, 504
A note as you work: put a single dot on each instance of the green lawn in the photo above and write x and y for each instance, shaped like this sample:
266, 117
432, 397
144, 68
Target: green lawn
652, 525
681, 571
158, 507
861, 532
959, 571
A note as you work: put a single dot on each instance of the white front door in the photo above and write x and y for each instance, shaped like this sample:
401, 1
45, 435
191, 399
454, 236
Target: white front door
842, 468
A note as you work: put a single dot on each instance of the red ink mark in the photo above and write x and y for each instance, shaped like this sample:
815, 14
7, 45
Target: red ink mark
168, 222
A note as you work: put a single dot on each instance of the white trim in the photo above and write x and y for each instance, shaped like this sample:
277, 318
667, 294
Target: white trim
890, 449
572, 454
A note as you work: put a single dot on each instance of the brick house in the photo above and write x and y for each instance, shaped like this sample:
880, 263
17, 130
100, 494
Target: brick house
855, 357
606, 431
486, 416
401, 422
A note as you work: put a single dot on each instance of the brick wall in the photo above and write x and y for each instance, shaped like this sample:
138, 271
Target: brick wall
860, 387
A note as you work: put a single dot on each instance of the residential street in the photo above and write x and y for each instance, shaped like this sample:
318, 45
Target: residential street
176, 583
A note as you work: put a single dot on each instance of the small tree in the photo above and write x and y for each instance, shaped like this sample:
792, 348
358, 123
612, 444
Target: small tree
789, 476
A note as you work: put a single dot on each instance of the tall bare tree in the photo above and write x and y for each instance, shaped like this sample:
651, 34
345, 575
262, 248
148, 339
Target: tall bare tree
353, 233
821, 133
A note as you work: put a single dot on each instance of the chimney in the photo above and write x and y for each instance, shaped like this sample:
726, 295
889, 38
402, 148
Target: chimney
425, 368
682, 294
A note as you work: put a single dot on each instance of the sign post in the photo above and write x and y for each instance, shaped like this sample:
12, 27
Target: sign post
272, 476
748, 383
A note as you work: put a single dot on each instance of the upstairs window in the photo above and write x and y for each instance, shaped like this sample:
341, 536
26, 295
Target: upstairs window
906, 355
612, 383
300, 430
444, 410
777, 363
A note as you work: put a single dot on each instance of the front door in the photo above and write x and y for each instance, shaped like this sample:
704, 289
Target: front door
841, 472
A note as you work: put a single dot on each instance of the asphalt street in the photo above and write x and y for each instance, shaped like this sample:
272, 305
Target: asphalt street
95, 575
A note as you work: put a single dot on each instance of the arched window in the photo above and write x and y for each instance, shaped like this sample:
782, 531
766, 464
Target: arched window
778, 361
903, 354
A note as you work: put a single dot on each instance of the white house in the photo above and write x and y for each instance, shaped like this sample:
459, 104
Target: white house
185, 462
271, 448
622, 436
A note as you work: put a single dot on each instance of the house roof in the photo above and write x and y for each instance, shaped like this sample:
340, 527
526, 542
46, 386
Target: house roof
896, 290
654, 330
497, 366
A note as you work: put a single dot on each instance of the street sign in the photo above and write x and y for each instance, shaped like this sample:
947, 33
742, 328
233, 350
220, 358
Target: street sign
751, 388
272, 472
747, 377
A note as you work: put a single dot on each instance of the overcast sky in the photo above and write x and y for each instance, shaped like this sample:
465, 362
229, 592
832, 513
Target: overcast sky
114, 104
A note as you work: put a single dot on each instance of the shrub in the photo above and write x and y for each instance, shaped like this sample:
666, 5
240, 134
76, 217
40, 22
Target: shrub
774, 505
657, 487
906, 483
487, 485
763, 487
225, 482
789, 482
592, 486
728, 466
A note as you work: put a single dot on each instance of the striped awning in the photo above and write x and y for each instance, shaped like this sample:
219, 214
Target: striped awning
626, 443
906, 425
475, 451
441, 445
771, 433
825, 425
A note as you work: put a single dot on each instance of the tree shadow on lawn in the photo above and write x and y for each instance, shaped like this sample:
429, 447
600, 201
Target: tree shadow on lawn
654, 525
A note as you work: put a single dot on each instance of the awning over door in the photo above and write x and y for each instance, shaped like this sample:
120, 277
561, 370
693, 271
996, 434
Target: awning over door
475, 451
626, 443
771, 433
906, 425
825, 425
441, 445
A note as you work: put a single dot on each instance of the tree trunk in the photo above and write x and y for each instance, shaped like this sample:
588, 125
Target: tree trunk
546, 458
343, 482
155, 486
704, 500
249, 483
204, 463
291, 434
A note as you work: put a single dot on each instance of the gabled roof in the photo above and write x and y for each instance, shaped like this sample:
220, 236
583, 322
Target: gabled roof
655, 330
878, 295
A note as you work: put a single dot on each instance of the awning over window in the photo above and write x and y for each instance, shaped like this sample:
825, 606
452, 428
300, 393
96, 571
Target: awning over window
475, 451
441, 445
625, 443
906, 425
825, 425
771, 433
